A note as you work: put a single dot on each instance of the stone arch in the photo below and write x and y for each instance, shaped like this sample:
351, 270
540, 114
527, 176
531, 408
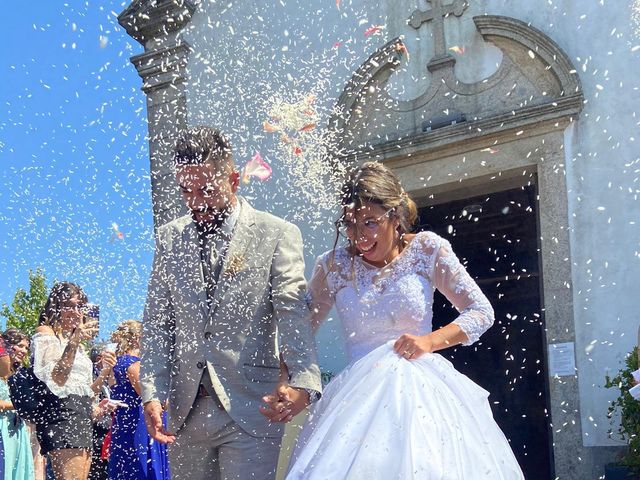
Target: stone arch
535, 78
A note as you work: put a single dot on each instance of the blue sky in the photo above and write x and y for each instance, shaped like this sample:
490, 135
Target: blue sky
74, 155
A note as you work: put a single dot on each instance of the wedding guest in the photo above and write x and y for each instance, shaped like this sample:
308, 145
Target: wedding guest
5, 360
5, 371
15, 447
133, 455
62, 363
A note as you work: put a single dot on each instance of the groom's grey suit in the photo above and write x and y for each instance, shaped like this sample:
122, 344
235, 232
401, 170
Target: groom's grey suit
229, 339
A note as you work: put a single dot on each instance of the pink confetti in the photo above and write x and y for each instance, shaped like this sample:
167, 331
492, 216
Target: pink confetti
402, 49
117, 234
285, 138
338, 4
373, 30
308, 127
269, 127
256, 167
297, 150
457, 49
336, 45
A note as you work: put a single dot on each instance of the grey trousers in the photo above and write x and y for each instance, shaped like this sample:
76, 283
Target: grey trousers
212, 446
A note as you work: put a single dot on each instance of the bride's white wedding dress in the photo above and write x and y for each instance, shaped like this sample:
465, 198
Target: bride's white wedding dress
385, 417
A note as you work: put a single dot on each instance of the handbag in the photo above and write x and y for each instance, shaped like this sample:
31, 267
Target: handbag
31, 397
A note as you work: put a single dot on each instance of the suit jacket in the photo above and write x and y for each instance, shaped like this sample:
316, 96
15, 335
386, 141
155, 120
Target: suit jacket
258, 311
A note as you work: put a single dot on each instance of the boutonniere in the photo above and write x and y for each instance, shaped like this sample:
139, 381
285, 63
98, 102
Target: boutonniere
235, 265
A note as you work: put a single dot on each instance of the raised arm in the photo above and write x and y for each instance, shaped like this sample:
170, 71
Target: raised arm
52, 364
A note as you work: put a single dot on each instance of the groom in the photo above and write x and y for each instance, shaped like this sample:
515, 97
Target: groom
225, 304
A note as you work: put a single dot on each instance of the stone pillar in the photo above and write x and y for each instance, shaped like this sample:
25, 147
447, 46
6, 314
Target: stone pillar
571, 458
156, 24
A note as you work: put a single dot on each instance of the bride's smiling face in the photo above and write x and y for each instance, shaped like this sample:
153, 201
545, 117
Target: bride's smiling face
372, 230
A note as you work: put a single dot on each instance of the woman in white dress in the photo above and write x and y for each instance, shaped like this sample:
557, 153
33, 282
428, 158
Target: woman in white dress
399, 410
60, 361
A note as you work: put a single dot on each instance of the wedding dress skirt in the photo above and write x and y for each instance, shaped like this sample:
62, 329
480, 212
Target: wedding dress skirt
385, 417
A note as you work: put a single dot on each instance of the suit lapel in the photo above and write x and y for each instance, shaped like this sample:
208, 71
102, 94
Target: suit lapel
193, 266
237, 252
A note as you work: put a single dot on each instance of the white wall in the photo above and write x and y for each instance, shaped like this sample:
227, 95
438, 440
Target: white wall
249, 52
602, 180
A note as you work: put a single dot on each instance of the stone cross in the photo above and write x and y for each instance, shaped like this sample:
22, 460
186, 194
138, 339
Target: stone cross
436, 14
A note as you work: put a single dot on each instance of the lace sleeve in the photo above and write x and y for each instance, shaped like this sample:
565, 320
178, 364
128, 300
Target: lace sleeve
451, 278
320, 295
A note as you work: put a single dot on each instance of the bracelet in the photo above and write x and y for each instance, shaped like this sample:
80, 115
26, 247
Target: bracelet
446, 342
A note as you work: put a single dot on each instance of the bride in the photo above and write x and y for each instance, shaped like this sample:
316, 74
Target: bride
399, 410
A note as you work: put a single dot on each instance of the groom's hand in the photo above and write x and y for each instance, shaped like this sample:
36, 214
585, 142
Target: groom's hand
284, 403
153, 419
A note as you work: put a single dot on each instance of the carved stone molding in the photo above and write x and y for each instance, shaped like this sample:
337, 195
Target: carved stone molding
163, 67
502, 31
145, 20
156, 24
534, 77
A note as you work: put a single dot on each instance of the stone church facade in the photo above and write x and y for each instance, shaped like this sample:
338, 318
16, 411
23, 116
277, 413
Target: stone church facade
512, 127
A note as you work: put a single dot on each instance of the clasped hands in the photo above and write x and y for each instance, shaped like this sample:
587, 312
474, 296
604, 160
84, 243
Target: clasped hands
284, 403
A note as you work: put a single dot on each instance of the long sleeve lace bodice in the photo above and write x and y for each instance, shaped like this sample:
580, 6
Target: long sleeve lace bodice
47, 351
376, 305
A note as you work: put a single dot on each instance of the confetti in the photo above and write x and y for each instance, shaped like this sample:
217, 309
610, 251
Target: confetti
402, 49
269, 127
489, 150
117, 234
457, 50
338, 4
308, 127
373, 30
256, 167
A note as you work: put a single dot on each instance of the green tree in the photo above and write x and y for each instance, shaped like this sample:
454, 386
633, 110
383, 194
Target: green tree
26, 305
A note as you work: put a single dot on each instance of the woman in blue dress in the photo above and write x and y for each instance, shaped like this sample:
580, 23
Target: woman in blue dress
15, 447
133, 455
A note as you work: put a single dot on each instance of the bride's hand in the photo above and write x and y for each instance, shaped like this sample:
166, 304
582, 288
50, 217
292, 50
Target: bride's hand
411, 347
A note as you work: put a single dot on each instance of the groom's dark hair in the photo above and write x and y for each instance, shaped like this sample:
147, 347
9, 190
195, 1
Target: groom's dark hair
201, 144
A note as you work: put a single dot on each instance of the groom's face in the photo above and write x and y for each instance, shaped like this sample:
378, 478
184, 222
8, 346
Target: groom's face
207, 190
